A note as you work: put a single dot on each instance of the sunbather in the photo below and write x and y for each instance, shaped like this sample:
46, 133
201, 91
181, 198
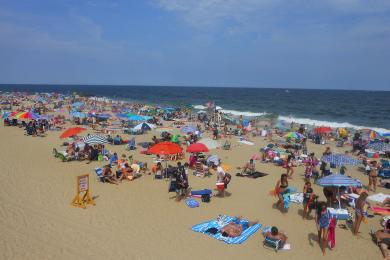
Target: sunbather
109, 176
383, 239
235, 228
275, 234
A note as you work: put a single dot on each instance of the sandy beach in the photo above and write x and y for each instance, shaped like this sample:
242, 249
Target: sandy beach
140, 219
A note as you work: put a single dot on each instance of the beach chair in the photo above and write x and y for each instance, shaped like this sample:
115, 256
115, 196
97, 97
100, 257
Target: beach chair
99, 174
274, 244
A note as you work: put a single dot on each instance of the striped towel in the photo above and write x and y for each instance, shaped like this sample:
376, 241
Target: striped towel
202, 227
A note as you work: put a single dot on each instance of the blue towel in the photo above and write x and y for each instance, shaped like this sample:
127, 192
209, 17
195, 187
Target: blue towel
192, 203
202, 227
201, 192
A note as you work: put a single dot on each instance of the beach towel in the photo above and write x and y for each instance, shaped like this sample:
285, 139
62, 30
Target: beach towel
332, 233
191, 203
381, 211
296, 197
246, 142
201, 192
255, 175
202, 227
379, 197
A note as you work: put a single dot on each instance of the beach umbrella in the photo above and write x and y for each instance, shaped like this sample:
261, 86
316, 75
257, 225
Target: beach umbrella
121, 116
379, 146
165, 148
213, 159
5, 114
293, 135
14, 113
338, 180
322, 130
103, 116
343, 132
188, 129
78, 114
136, 118
77, 104
72, 131
197, 148
95, 139
386, 135
374, 134
339, 159
27, 115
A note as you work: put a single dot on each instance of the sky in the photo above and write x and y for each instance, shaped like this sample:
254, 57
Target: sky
327, 44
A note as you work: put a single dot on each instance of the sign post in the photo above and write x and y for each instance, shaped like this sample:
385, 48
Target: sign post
83, 197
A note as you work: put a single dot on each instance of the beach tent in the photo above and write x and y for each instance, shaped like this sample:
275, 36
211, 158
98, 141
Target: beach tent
144, 127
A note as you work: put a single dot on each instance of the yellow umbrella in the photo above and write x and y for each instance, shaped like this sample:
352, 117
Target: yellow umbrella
343, 132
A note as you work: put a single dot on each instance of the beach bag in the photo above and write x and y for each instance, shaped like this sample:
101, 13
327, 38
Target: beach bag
205, 198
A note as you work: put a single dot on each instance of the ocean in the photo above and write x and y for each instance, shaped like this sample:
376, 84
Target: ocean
336, 108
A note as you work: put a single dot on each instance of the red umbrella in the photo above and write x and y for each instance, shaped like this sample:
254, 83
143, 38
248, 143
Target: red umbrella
197, 148
72, 131
323, 130
164, 148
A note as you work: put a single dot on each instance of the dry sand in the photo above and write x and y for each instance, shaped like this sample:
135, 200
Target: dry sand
140, 219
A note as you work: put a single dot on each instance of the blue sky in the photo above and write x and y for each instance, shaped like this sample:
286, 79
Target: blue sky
342, 44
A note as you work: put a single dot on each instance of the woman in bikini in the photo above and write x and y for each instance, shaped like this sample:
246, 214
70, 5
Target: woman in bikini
373, 176
360, 211
280, 189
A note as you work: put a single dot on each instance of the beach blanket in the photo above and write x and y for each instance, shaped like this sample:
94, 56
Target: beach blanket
191, 203
255, 175
202, 227
296, 197
379, 197
246, 142
381, 211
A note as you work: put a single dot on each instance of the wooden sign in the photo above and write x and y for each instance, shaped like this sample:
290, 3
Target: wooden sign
83, 196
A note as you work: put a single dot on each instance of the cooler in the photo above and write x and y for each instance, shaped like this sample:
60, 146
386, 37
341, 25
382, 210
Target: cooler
220, 186
339, 214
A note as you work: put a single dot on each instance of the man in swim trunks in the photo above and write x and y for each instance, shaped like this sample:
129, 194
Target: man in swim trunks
275, 234
236, 227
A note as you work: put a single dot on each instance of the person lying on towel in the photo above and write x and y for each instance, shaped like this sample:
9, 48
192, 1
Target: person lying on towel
275, 234
236, 227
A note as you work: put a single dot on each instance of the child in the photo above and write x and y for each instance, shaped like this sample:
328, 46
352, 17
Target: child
308, 171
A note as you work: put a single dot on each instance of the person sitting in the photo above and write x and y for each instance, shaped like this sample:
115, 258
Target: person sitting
276, 235
249, 168
117, 140
109, 176
236, 227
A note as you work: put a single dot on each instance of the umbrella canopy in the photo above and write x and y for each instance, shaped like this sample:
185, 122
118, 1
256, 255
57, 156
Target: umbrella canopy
322, 130
72, 131
379, 147
338, 180
339, 159
95, 139
386, 135
77, 104
137, 118
165, 148
188, 129
343, 132
374, 135
78, 114
213, 159
103, 116
197, 148
26, 115
293, 135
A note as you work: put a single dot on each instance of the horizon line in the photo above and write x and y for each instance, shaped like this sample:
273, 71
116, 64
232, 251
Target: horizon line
186, 86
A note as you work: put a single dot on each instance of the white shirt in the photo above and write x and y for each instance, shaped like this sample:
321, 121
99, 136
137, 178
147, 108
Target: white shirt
220, 174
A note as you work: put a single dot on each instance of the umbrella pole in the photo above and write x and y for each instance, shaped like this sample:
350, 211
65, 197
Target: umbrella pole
338, 191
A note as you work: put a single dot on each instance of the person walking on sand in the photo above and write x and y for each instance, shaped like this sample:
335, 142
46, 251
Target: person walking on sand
289, 166
360, 211
322, 223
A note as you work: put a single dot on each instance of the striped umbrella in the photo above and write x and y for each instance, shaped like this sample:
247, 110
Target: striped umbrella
339, 159
338, 180
95, 139
379, 147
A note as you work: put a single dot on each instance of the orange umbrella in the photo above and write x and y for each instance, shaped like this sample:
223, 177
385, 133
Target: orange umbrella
165, 148
72, 131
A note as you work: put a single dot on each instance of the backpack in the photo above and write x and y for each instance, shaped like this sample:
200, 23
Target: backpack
205, 198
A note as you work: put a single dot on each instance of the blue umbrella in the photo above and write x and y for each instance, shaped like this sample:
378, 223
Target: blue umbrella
6, 114
78, 114
103, 116
77, 104
379, 146
188, 129
123, 116
138, 118
339, 159
338, 180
